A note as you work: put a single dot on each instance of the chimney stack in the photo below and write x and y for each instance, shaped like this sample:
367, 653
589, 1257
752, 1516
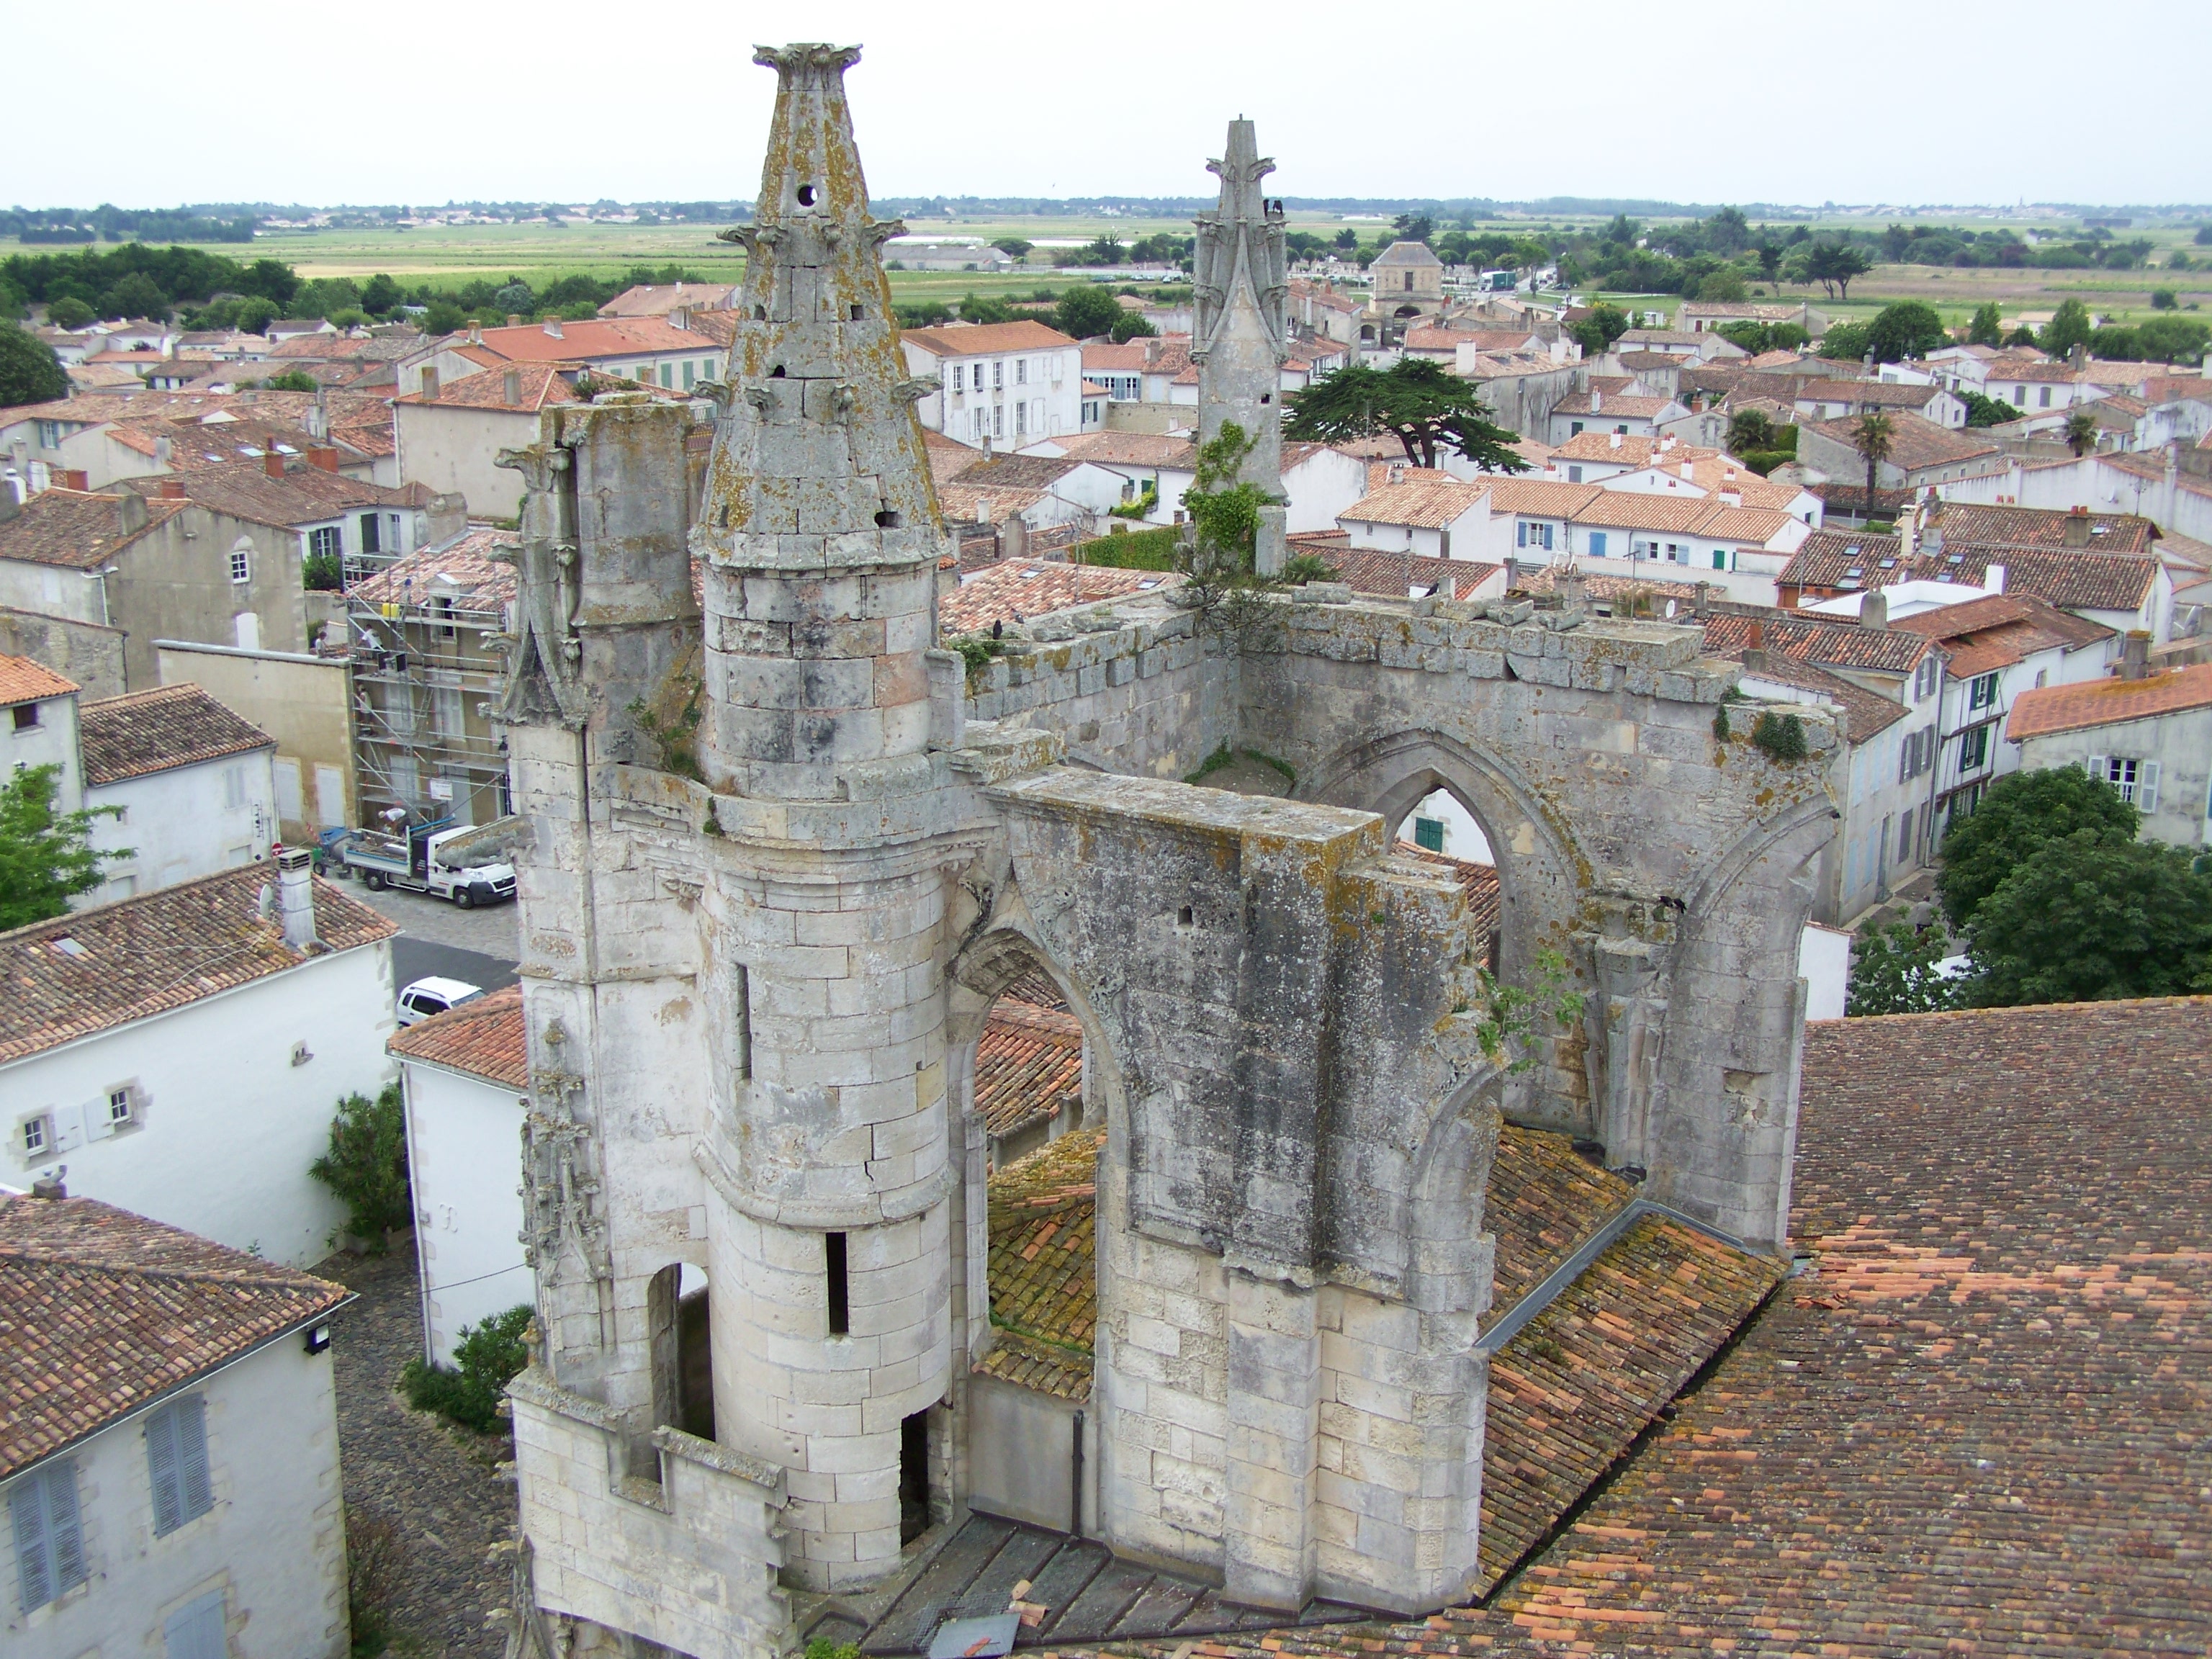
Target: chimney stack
323, 460
1754, 650
272, 463
172, 490
51, 1185
1993, 579
295, 876
511, 387
513, 319
1597, 400
2135, 655
553, 327
1874, 611
2078, 527
130, 513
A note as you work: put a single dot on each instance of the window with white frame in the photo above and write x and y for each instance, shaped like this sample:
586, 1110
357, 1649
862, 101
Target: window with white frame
1982, 691
1021, 371
325, 541
2136, 780
1973, 748
35, 1135
998, 376
122, 1108
241, 566
959, 376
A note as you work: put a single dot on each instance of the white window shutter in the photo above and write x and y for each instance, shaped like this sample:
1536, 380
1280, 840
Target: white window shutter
61, 1523
2147, 787
2097, 767
97, 1124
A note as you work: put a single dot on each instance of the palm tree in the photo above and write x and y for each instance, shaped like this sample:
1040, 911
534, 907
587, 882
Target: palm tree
2080, 432
1874, 436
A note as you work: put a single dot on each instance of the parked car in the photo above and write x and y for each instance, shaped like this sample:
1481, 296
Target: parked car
433, 996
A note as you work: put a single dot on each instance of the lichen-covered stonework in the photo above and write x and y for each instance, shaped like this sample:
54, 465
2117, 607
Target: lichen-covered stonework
780, 853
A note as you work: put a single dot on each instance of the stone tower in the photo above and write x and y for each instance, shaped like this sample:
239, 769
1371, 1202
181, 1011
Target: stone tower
826, 1154
1240, 342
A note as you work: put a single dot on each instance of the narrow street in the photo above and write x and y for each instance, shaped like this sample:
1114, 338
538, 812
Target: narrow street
409, 1468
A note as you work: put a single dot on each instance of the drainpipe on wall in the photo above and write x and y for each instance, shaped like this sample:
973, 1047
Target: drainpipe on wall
1935, 770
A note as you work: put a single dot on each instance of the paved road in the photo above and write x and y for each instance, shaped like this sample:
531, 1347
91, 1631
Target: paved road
436, 1484
476, 946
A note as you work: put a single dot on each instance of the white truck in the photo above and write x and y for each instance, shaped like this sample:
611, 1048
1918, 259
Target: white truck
425, 858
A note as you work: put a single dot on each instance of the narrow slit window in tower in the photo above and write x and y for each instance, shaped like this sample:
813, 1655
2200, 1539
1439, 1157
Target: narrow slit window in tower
833, 1253
741, 1061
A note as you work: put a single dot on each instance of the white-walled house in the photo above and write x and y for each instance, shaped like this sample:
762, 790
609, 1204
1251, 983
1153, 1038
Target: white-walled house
465, 1076
1431, 516
194, 783
39, 727
2148, 735
1162, 463
182, 1052
1011, 383
169, 1458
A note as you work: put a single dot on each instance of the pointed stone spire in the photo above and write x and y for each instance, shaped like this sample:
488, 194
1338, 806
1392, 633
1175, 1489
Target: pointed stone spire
1241, 340
819, 526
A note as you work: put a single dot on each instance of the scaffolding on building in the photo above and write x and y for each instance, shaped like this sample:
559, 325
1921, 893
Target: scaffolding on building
425, 676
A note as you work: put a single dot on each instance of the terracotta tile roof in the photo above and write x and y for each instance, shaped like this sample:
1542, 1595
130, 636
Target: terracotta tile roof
2019, 619
1842, 644
1427, 503
92, 971
2108, 702
1737, 308
1977, 1422
649, 300
1407, 253
537, 386
159, 730
981, 339
1860, 395
1865, 712
1017, 588
459, 570
1851, 561
305, 495
484, 1037
2029, 369
1043, 1269
1969, 522
1636, 509
584, 341
102, 1312
1029, 1062
1540, 498
22, 680
1108, 358
1396, 576
76, 531
1155, 449
965, 504
1571, 1393
1014, 472
1916, 442
1622, 403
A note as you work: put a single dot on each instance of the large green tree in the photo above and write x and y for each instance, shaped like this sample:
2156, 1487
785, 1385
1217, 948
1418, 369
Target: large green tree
1906, 329
2017, 816
2090, 918
2070, 325
1426, 408
46, 857
1835, 265
1894, 972
1596, 333
1987, 327
1086, 311
29, 371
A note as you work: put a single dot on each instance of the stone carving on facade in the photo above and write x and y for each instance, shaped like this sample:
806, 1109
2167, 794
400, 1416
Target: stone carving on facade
565, 1231
544, 651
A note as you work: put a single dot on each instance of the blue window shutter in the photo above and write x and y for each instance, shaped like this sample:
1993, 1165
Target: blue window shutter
26, 1507
191, 1455
196, 1630
161, 1468
49, 1544
1597, 544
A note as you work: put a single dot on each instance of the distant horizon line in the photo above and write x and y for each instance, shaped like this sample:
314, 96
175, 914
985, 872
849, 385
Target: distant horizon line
1042, 206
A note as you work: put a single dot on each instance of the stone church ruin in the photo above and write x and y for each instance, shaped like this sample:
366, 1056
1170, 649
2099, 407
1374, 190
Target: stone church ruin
784, 851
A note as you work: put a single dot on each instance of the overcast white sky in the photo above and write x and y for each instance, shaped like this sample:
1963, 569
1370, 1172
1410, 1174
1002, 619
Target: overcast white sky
399, 100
